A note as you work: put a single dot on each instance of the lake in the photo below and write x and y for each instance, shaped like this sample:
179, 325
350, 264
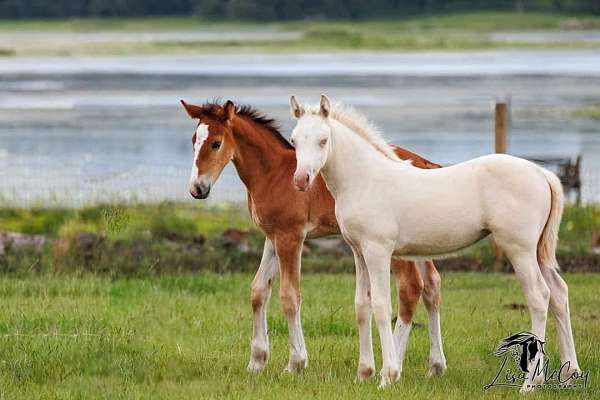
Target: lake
78, 130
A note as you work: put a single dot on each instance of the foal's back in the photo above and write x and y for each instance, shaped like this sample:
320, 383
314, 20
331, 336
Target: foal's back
442, 211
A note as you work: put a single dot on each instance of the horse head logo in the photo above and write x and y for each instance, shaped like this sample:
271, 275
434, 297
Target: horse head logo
524, 347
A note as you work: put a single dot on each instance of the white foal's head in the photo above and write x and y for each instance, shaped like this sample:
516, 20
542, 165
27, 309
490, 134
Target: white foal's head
312, 138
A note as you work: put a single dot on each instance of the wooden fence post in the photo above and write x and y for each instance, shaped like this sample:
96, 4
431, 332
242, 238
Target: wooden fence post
501, 139
501, 127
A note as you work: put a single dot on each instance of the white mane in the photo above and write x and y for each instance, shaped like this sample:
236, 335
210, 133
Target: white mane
359, 124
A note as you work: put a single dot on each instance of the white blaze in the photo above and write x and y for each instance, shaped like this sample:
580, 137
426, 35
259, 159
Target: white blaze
201, 135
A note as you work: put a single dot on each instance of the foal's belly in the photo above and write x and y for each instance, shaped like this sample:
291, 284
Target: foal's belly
437, 246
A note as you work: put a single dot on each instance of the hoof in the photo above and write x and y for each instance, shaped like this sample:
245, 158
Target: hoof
296, 365
527, 388
389, 375
258, 360
529, 385
365, 372
436, 368
570, 370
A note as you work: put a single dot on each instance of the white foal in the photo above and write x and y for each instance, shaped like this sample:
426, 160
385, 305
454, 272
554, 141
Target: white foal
386, 207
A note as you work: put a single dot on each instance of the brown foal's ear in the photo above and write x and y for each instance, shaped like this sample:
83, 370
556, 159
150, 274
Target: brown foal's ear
192, 110
229, 110
295, 107
325, 106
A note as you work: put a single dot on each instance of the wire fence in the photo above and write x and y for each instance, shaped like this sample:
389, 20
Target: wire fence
81, 184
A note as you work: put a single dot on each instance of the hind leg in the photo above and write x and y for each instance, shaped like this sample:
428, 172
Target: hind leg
432, 297
559, 304
537, 294
410, 286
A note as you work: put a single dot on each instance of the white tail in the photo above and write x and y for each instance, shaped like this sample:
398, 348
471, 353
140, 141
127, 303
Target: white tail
546, 250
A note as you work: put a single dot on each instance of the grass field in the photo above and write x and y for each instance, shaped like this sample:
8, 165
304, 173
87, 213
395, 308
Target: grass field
188, 336
439, 32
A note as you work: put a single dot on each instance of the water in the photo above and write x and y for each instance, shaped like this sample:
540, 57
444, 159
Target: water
83, 130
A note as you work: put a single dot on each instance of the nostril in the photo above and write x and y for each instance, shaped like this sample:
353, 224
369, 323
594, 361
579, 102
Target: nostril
198, 190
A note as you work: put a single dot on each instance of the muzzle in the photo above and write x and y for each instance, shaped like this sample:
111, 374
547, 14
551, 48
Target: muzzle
302, 180
199, 190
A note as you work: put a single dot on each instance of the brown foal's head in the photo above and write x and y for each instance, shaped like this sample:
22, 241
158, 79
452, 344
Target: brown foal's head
212, 142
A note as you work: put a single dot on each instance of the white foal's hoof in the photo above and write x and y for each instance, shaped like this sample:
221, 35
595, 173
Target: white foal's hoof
436, 368
296, 365
365, 372
258, 360
530, 385
527, 387
571, 370
389, 375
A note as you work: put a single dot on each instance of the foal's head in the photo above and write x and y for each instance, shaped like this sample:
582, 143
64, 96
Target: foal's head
212, 142
311, 137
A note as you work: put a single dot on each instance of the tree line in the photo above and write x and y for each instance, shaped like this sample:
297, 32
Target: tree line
275, 9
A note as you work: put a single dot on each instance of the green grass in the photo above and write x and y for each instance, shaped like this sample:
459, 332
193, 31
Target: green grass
123, 24
439, 32
146, 240
579, 224
591, 112
484, 21
126, 221
188, 336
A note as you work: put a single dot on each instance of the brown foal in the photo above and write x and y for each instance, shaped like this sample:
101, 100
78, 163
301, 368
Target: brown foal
265, 162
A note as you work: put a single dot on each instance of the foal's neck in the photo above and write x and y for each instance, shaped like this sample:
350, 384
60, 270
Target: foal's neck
352, 161
258, 153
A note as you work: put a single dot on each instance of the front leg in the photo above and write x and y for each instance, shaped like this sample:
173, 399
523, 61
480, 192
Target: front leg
288, 247
377, 259
260, 295
362, 308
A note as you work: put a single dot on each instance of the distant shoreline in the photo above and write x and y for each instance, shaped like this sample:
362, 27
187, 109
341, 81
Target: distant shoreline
189, 35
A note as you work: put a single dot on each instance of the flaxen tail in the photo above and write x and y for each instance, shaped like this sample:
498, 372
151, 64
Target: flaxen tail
546, 251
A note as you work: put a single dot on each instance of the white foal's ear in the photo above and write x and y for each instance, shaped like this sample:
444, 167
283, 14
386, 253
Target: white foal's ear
296, 108
325, 106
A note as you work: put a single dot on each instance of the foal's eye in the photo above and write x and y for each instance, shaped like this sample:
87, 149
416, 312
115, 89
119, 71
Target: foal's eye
292, 141
216, 144
323, 142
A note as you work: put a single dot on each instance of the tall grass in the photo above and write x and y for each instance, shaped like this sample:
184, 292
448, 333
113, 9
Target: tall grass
142, 240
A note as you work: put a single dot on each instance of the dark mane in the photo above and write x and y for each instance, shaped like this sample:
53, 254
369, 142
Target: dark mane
215, 108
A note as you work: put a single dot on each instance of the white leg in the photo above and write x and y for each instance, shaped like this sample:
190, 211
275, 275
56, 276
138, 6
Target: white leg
261, 294
559, 304
432, 299
537, 295
377, 260
410, 288
362, 307
298, 354
289, 250
401, 335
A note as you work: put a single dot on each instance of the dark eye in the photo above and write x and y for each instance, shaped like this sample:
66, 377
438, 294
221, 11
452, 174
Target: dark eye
292, 141
216, 144
323, 142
